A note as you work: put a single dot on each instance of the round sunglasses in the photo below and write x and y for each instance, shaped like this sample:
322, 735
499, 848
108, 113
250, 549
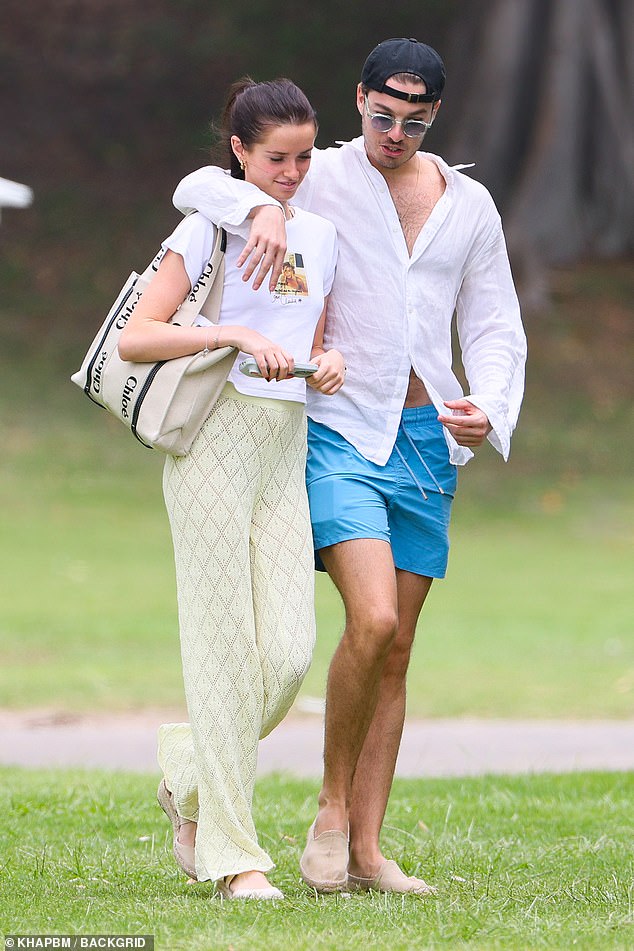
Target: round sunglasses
381, 123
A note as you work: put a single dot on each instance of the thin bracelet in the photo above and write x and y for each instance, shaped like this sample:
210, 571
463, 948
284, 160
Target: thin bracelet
216, 342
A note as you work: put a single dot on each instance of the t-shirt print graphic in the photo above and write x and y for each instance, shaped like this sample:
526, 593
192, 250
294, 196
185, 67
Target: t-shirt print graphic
292, 282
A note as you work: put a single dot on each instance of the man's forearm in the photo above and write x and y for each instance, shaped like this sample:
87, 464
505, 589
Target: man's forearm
226, 201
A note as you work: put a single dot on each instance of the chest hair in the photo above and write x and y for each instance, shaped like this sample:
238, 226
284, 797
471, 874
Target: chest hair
414, 204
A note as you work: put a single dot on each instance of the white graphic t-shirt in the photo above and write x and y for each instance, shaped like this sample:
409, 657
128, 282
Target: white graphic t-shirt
288, 315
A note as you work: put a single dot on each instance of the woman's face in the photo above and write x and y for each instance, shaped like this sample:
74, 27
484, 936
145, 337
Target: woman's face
278, 163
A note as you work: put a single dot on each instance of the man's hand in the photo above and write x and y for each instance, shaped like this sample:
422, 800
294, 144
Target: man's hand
266, 246
468, 425
331, 373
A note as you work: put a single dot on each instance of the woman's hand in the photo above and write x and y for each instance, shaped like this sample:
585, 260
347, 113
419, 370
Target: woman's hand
273, 361
331, 373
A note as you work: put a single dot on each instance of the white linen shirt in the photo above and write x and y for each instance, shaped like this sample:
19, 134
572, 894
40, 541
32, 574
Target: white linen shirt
287, 317
388, 311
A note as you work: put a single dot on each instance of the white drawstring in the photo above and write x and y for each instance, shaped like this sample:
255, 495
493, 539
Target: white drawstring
426, 467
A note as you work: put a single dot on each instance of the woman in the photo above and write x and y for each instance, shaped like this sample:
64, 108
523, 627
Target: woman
237, 502
291, 281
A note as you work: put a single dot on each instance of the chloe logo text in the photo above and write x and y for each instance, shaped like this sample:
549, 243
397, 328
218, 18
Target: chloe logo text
128, 390
96, 376
125, 315
201, 282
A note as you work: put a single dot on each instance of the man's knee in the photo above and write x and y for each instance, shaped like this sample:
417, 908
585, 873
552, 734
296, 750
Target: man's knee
398, 659
374, 633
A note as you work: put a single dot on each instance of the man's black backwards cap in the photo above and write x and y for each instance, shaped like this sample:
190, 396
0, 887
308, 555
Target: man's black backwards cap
404, 56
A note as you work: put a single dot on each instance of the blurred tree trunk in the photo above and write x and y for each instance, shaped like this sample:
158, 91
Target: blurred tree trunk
547, 114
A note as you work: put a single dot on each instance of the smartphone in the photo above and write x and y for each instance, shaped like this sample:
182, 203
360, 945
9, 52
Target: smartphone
250, 368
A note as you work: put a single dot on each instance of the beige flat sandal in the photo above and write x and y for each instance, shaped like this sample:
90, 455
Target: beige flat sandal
324, 862
184, 854
390, 878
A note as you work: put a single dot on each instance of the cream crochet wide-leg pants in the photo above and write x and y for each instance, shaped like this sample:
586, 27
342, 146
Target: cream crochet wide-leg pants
244, 568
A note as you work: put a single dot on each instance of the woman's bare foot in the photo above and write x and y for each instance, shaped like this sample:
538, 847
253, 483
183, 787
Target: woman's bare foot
184, 832
248, 885
187, 833
249, 880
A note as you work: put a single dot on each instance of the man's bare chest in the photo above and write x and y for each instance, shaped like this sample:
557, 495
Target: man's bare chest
414, 206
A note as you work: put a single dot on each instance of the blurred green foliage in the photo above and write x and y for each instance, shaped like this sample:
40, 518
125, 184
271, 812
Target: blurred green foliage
106, 105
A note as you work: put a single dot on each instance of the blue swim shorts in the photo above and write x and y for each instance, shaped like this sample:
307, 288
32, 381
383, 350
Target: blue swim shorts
406, 502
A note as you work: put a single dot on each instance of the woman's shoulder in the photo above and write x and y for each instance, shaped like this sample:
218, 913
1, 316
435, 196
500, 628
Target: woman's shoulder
194, 226
193, 238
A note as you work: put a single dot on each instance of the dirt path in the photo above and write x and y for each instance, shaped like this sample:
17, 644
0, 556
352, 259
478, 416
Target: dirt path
429, 747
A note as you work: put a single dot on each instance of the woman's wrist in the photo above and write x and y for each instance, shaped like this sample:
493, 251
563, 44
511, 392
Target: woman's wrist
212, 338
228, 336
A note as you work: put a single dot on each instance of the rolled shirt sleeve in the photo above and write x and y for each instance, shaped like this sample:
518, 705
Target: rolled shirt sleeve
226, 201
492, 339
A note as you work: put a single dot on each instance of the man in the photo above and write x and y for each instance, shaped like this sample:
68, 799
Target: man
417, 240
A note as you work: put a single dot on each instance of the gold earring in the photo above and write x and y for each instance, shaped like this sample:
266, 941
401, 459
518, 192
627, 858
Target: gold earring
242, 165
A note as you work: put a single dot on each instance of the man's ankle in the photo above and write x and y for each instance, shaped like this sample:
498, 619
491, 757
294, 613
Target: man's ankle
365, 862
331, 816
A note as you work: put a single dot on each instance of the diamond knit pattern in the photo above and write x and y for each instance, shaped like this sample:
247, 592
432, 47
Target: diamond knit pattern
244, 569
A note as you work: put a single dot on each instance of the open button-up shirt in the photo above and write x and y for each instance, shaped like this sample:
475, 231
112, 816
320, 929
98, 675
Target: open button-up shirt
389, 311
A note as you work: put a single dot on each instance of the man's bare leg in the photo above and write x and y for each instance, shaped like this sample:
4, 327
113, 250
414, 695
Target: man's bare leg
363, 571
373, 777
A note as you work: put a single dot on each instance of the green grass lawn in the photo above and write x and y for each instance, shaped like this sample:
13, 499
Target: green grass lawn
535, 618
532, 862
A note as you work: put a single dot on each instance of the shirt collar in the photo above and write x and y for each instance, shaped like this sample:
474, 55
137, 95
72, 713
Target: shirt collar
359, 146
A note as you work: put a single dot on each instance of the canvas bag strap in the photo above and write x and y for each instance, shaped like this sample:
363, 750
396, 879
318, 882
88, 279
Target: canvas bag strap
205, 296
210, 306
